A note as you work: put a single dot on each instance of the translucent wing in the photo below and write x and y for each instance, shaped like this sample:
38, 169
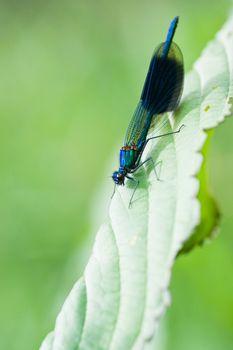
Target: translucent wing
138, 127
164, 82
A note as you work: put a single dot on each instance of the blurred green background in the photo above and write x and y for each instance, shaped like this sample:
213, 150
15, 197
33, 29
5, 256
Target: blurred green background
71, 73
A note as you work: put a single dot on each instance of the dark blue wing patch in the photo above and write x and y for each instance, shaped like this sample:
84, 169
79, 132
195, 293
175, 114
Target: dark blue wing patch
164, 82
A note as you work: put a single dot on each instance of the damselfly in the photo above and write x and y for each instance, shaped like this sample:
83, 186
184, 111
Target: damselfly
161, 93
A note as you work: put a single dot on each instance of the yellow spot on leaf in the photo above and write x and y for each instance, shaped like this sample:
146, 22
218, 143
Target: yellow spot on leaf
133, 240
207, 108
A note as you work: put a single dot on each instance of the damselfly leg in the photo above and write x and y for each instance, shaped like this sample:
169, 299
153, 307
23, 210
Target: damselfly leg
134, 190
150, 159
158, 136
138, 165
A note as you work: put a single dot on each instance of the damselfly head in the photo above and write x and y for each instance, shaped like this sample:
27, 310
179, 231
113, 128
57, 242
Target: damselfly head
118, 177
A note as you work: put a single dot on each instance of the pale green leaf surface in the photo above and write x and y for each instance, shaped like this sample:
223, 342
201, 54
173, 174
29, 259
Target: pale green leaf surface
124, 290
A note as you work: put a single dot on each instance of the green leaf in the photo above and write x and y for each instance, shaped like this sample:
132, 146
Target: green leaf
124, 290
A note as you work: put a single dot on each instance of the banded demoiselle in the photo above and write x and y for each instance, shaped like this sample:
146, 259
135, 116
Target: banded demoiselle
161, 93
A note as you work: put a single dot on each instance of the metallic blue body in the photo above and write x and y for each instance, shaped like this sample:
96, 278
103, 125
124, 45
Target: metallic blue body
170, 34
128, 158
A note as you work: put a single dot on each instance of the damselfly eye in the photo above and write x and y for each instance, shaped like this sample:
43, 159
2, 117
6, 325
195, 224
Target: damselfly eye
118, 178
